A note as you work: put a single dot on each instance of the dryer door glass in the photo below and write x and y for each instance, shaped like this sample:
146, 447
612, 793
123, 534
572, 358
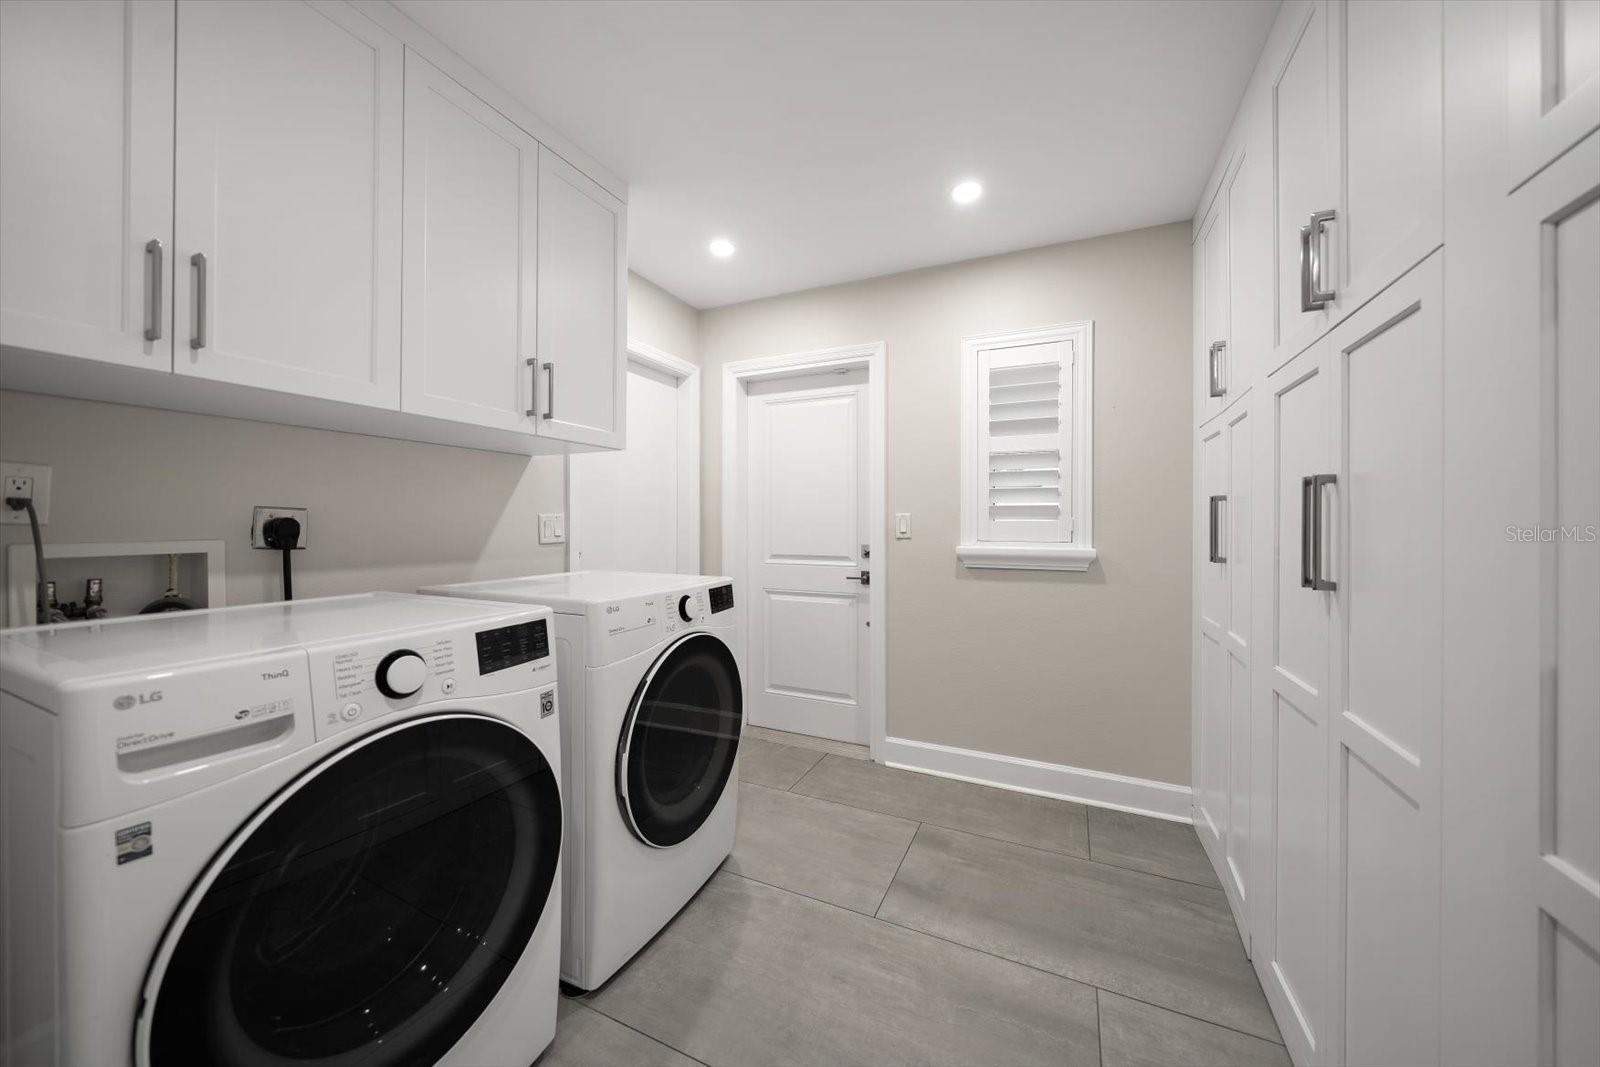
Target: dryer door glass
679, 740
371, 911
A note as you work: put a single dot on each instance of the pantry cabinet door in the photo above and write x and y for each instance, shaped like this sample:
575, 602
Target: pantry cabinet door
1215, 304
288, 199
1291, 712
1388, 59
583, 289
1303, 169
86, 179
1383, 526
1553, 92
1213, 750
471, 256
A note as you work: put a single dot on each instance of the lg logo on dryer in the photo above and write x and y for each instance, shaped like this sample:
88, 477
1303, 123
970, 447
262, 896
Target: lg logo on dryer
133, 700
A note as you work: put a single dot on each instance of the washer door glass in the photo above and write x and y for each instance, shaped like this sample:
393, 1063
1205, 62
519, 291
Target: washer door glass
372, 912
680, 739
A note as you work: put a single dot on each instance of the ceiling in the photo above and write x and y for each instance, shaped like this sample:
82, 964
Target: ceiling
823, 138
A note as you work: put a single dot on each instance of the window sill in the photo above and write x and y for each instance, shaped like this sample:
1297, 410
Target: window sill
1026, 557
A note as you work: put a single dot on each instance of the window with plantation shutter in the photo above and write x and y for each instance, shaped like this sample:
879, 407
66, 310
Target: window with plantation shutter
1026, 449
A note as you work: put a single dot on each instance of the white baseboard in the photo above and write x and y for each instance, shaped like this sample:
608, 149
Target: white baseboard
1142, 796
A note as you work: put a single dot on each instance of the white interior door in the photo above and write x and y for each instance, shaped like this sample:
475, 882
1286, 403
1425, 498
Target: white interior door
806, 482
288, 174
635, 509
86, 179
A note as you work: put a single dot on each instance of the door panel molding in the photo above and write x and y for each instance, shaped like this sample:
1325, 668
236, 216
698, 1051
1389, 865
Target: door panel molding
737, 377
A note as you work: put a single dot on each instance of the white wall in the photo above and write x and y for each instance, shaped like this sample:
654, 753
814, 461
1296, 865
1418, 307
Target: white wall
384, 514
1089, 670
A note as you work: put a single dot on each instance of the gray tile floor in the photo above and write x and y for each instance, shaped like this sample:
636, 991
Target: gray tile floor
871, 915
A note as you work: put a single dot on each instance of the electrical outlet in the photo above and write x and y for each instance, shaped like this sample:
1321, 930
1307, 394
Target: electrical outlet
261, 515
552, 529
31, 480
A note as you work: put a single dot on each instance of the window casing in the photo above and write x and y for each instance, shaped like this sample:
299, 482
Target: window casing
1027, 438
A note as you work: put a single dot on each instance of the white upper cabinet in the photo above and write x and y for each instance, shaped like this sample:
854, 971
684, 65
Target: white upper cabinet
288, 199
583, 288
471, 256
1358, 163
1303, 181
86, 179
1215, 303
1553, 94
1388, 59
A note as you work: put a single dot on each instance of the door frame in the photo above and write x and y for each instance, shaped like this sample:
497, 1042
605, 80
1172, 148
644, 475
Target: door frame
687, 376
737, 377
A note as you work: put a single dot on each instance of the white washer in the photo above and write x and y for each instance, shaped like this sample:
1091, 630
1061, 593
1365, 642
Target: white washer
327, 830
650, 679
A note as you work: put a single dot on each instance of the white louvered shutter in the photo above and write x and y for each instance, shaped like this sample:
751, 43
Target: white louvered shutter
1025, 443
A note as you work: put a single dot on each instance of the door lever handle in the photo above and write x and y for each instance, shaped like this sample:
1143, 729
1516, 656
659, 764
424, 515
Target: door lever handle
865, 578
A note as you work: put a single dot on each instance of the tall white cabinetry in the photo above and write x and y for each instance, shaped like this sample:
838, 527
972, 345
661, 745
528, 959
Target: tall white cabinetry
1411, 857
305, 212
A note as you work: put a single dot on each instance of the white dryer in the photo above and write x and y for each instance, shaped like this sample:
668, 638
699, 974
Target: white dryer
649, 676
326, 831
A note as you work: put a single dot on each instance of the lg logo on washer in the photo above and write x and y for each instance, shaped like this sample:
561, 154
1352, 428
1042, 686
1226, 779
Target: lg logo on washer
133, 700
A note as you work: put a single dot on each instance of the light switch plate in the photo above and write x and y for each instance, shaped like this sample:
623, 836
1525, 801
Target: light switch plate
41, 492
902, 526
552, 529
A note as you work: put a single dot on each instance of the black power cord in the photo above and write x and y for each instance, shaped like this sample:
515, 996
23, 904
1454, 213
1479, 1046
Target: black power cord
20, 503
283, 533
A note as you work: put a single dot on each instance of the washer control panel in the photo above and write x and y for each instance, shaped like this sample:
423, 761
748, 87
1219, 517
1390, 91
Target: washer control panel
354, 684
686, 609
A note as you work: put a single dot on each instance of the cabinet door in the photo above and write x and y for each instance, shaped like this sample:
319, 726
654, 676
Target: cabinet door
1303, 156
1249, 269
1388, 60
1237, 526
471, 203
288, 199
1292, 715
1383, 524
1215, 298
582, 306
86, 179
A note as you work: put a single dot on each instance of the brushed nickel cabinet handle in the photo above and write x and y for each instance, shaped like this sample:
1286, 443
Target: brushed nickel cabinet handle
152, 311
533, 387
1318, 582
1215, 555
1214, 386
1313, 297
197, 340
1307, 521
550, 391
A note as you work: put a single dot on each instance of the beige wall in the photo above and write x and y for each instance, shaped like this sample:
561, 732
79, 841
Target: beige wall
1089, 670
384, 514
661, 320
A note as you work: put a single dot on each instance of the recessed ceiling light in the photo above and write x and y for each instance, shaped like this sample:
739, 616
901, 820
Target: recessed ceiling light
721, 247
966, 192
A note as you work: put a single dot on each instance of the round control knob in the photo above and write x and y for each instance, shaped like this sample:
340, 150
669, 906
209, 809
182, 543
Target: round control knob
401, 673
687, 610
